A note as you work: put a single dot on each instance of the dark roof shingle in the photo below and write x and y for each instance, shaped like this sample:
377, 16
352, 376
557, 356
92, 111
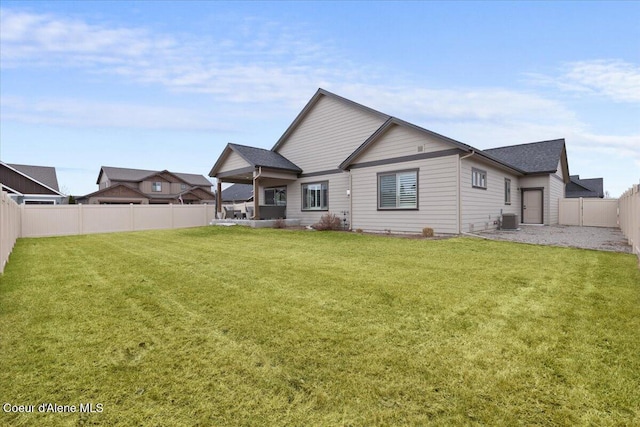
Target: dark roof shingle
137, 175
265, 158
44, 174
238, 192
535, 157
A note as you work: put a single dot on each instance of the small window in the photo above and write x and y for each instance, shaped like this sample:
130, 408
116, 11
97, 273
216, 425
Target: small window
315, 196
479, 178
507, 191
398, 190
156, 186
275, 196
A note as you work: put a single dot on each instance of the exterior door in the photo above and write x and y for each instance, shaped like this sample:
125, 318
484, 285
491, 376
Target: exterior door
532, 206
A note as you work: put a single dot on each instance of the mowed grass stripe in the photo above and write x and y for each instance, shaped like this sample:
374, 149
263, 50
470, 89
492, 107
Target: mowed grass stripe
219, 326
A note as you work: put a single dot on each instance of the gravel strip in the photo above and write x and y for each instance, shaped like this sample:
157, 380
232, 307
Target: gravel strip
601, 239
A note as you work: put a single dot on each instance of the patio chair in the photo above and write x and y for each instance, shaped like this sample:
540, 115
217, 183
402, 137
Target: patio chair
228, 212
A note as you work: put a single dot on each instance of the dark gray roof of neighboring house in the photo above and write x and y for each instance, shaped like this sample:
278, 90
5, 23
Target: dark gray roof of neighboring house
194, 179
137, 175
258, 157
43, 174
238, 192
535, 157
590, 187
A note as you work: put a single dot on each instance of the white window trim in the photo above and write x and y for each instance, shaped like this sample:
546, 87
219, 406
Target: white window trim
479, 178
322, 207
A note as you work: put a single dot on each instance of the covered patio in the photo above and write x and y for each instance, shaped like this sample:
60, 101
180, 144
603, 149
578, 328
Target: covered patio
263, 169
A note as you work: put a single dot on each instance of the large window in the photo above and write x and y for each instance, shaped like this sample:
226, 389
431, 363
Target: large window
507, 191
156, 186
275, 196
479, 178
398, 190
315, 196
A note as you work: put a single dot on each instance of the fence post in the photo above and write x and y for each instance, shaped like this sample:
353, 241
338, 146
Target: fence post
131, 219
80, 219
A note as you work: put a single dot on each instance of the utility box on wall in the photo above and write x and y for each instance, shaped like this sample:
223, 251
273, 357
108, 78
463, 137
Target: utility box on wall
509, 221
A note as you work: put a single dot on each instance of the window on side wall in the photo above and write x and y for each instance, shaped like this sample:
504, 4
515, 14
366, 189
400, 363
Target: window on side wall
507, 191
315, 196
156, 186
398, 190
275, 196
478, 178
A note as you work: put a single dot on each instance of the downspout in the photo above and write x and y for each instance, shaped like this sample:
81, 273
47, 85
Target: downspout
460, 159
350, 201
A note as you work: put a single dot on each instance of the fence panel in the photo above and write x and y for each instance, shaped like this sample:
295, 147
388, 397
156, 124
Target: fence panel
63, 220
630, 217
600, 212
569, 212
10, 220
589, 212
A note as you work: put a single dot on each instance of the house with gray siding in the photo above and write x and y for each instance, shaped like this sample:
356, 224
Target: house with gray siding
384, 173
139, 186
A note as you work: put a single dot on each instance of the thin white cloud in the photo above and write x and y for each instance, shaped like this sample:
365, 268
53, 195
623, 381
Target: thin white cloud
615, 79
278, 66
81, 113
265, 62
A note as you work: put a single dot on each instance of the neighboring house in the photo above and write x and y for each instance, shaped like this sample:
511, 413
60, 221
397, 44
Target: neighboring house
591, 187
387, 174
138, 186
237, 193
28, 184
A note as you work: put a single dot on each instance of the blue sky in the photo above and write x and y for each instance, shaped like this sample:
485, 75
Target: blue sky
165, 85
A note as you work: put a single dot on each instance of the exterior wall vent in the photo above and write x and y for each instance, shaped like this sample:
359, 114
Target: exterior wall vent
420, 148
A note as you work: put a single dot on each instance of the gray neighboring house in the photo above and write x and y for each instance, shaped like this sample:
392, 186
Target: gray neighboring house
140, 186
28, 184
237, 193
384, 173
590, 187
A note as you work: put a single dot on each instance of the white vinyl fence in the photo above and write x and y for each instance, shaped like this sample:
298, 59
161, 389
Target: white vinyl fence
589, 212
10, 220
63, 220
630, 217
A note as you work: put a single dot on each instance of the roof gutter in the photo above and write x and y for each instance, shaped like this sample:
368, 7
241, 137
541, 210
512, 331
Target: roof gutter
473, 152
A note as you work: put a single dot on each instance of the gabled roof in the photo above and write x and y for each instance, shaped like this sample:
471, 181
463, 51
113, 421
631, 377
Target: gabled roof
313, 101
256, 157
238, 192
138, 175
111, 188
590, 187
535, 157
398, 122
42, 175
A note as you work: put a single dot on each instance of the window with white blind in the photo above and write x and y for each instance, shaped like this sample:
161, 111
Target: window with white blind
478, 178
315, 196
398, 190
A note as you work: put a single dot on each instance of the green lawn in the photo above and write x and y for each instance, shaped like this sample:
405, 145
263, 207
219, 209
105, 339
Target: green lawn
224, 326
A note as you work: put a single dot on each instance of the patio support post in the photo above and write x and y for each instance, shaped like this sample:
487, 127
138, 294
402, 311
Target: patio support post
219, 199
256, 198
